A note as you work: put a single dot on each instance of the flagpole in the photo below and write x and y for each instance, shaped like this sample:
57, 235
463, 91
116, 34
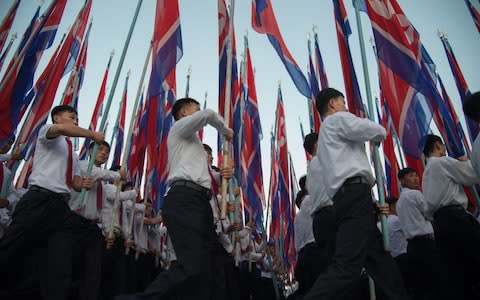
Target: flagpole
129, 135
187, 88
5, 53
81, 198
228, 90
378, 167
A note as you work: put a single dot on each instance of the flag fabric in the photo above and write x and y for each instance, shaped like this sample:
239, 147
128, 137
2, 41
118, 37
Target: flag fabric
79, 33
136, 157
116, 161
391, 162
19, 78
5, 53
321, 73
403, 80
47, 88
167, 51
291, 254
26, 36
281, 193
235, 107
475, 14
315, 119
352, 90
251, 157
77, 72
96, 111
461, 83
273, 189
264, 21
7, 23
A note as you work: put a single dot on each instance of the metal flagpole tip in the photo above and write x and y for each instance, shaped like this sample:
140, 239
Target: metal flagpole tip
129, 72
14, 36
189, 70
314, 28
112, 53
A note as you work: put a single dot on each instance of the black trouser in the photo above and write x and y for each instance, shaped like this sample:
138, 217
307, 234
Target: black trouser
225, 283
42, 220
311, 261
114, 269
358, 244
457, 235
249, 276
87, 257
428, 268
189, 221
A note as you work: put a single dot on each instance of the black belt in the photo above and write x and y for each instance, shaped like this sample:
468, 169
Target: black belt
453, 207
194, 186
63, 196
429, 236
356, 180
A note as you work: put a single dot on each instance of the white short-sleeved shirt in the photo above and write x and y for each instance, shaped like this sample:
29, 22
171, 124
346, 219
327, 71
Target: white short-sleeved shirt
410, 210
475, 156
341, 149
443, 181
187, 160
303, 224
90, 210
50, 162
316, 189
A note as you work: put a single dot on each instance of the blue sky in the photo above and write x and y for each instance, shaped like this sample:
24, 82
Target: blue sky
111, 20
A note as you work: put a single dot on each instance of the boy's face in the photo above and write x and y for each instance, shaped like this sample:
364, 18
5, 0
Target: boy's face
66, 117
102, 154
338, 104
411, 181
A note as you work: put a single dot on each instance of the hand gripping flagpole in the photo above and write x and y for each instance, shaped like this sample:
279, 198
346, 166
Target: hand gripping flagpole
79, 202
228, 89
129, 135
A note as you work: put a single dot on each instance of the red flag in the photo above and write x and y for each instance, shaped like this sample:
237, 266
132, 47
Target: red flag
264, 21
97, 110
48, 88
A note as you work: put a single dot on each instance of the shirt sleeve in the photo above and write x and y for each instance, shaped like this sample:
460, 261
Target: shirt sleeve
42, 135
358, 129
461, 171
190, 125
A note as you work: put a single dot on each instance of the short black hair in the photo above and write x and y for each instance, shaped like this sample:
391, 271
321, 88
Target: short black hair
126, 185
60, 109
104, 143
207, 148
181, 103
299, 198
471, 106
115, 167
405, 171
310, 141
302, 181
430, 140
323, 98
